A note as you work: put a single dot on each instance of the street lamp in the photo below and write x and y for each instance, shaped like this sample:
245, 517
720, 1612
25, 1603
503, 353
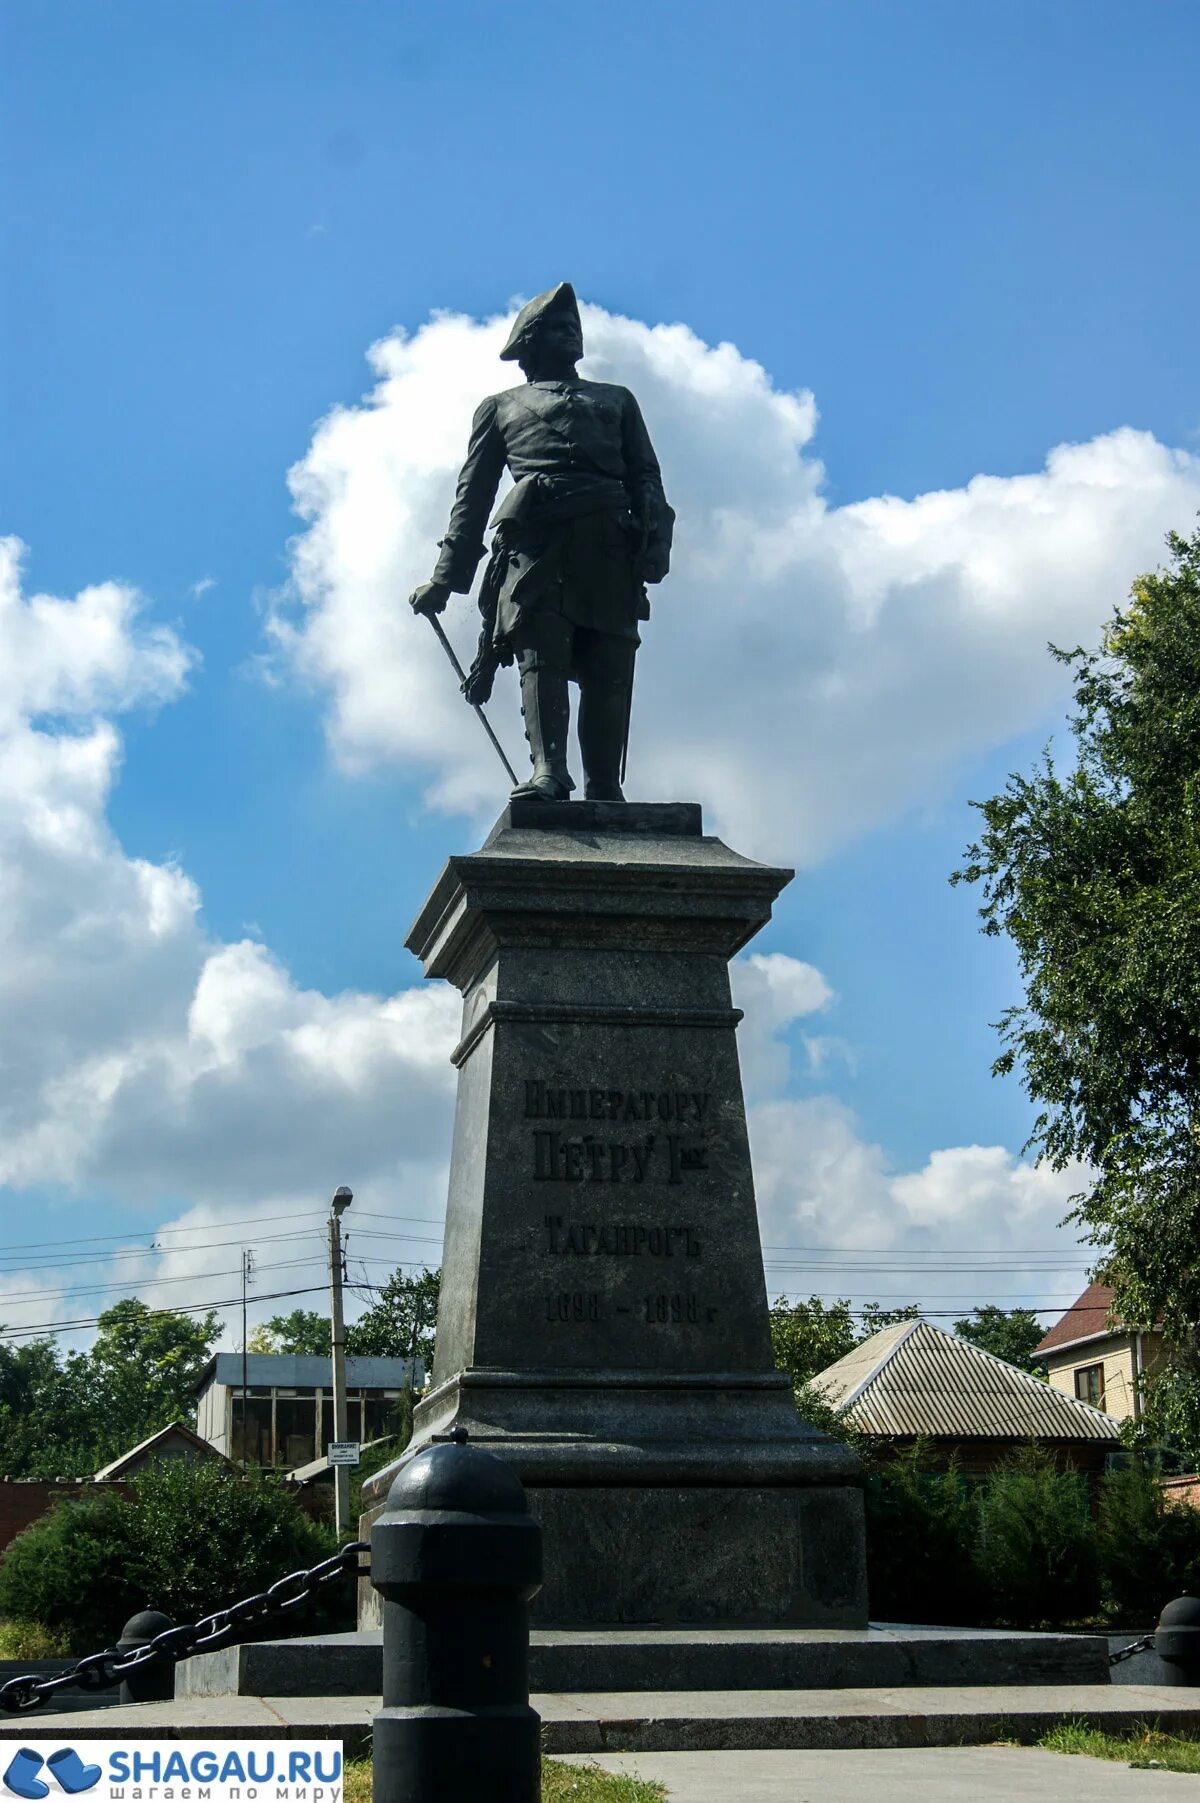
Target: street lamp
342, 1198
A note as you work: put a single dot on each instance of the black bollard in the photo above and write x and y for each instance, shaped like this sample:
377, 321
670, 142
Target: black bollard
456, 1556
1177, 1641
153, 1682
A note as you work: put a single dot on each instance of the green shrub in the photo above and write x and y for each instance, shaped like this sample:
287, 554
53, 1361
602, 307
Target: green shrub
1148, 1552
921, 1531
191, 1538
73, 1571
379, 1455
1037, 1552
30, 1640
813, 1407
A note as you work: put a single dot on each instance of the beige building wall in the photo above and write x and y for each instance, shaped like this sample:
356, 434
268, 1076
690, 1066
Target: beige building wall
1116, 1353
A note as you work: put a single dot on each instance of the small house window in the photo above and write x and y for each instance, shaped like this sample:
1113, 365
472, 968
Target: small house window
1089, 1385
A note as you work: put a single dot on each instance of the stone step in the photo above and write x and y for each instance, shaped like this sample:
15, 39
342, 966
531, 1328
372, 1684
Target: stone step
675, 1721
658, 1659
950, 1715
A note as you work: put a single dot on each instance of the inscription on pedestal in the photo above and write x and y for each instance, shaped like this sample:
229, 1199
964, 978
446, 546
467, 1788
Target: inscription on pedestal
619, 1239
557, 1102
669, 1153
564, 1157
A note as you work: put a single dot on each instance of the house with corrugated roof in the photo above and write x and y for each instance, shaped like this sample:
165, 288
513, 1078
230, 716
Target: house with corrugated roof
914, 1381
1092, 1355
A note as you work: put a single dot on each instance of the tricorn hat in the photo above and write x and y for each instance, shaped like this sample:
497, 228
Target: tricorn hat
542, 306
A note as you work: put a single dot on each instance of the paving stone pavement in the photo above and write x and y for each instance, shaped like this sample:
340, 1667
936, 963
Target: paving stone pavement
903, 1775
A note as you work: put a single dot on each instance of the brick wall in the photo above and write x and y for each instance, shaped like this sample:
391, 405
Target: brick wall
1182, 1492
25, 1500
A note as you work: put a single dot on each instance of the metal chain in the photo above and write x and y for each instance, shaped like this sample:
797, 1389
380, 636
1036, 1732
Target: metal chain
1136, 1646
100, 1671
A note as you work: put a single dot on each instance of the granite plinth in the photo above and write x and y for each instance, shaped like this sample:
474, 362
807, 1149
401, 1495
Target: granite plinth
603, 1321
566, 1660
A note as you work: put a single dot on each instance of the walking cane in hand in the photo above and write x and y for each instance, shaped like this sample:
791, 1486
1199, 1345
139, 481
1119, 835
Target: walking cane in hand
430, 599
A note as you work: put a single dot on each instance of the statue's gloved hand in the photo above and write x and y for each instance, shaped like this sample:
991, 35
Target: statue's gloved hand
430, 598
655, 563
478, 686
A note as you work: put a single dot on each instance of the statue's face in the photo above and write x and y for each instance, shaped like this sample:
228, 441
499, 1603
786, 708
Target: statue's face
556, 341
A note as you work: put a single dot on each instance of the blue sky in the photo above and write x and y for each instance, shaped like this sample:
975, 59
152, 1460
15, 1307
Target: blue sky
966, 231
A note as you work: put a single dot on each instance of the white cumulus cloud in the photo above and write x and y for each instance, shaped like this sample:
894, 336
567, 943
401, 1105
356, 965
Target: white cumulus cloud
973, 1223
141, 1057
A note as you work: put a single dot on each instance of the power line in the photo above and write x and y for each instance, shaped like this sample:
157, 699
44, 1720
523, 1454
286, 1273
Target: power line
152, 1282
883, 1251
95, 1289
185, 1308
861, 1257
253, 1222
904, 1268
156, 1250
195, 1308
903, 1261
97, 1239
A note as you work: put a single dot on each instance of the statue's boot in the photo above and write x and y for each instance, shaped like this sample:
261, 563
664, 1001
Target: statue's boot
603, 713
547, 711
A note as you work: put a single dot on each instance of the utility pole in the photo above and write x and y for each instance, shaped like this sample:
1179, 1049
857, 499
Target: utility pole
247, 1275
341, 1474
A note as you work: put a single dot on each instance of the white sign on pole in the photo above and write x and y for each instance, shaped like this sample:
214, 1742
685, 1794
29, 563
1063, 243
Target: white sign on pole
343, 1452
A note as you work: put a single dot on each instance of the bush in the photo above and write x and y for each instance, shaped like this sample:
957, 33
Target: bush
190, 1538
1148, 1551
72, 1572
818, 1412
921, 1531
30, 1640
1037, 1552
380, 1455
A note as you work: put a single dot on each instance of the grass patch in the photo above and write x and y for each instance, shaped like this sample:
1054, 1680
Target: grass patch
560, 1784
1144, 1748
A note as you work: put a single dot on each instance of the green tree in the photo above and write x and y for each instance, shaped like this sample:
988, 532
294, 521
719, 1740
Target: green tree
145, 1364
1094, 875
806, 1337
874, 1316
303, 1331
1007, 1333
51, 1424
1037, 1554
1149, 1552
67, 1415
402, 1321
922, 1527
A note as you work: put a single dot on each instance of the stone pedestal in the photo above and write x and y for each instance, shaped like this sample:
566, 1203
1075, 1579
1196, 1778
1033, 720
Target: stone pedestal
604, 1315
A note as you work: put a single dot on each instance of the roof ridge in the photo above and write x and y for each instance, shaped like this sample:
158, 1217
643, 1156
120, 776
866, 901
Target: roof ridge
877, 1370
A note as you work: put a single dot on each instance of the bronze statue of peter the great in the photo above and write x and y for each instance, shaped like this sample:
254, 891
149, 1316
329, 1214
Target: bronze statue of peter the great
585, 527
